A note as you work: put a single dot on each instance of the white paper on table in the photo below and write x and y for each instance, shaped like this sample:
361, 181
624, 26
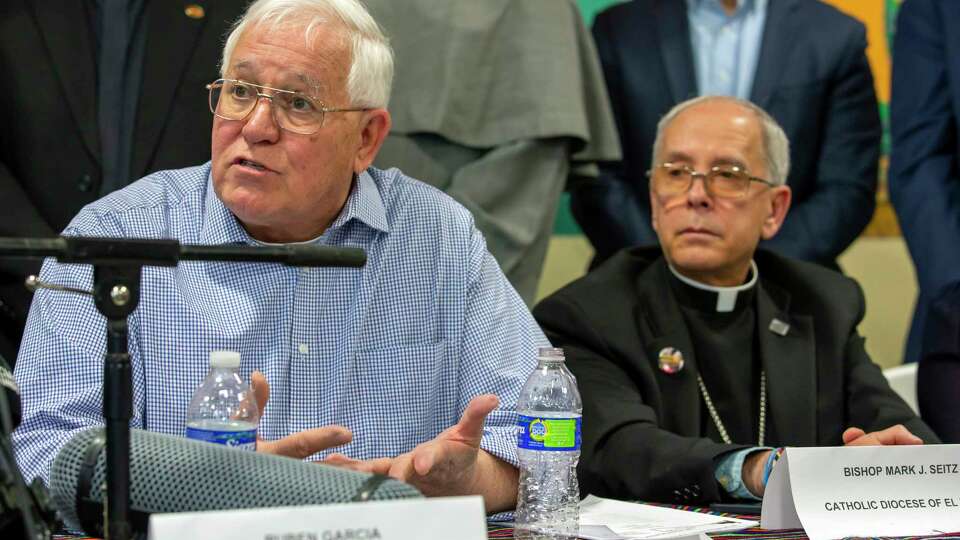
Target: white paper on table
600, 532
607, 519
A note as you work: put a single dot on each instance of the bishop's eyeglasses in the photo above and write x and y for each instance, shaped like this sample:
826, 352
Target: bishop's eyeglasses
723, 181
293, 111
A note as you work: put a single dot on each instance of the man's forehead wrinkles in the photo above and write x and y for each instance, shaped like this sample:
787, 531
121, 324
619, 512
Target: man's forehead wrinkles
245, 64
250, 66
676, 155
706, 148
312, 82
700, 138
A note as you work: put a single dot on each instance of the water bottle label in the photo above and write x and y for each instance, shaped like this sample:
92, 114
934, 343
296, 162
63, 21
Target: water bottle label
554, 434
244, 440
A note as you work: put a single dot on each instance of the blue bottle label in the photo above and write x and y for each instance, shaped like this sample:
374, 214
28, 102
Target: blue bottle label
244, 440
551, 434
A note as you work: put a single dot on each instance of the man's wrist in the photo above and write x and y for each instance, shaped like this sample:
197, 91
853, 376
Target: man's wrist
497, 481
753, 472
732, 470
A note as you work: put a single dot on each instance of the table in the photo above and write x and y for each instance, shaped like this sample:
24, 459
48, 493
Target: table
495, 531
498, 531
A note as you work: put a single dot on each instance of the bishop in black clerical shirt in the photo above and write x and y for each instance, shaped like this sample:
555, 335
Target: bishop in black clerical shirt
698, 358
722, 326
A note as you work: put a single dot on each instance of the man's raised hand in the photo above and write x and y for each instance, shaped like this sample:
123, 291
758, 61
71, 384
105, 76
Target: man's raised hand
452, 463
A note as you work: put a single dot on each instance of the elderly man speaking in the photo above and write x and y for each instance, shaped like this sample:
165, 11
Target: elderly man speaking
401, 365
696, 361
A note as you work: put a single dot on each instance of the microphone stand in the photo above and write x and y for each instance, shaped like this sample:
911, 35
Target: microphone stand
117, 265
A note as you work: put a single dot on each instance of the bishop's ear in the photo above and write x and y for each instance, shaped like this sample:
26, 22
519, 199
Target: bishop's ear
780, 198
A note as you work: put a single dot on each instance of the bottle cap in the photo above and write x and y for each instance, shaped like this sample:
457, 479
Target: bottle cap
224, 359
550, 353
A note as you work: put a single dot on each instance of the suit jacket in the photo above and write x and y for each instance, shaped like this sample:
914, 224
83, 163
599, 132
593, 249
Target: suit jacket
924, 177
812, 76
642, 434
50, 148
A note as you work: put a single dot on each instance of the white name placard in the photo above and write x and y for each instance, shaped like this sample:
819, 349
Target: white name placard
428, 519
865, 491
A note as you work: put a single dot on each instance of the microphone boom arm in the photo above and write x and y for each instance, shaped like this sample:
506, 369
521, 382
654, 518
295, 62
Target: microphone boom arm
166, 252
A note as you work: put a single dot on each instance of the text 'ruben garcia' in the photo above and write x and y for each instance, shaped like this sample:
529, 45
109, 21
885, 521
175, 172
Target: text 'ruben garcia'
361, 533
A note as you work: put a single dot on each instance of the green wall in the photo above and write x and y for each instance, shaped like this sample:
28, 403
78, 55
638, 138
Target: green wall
589, 8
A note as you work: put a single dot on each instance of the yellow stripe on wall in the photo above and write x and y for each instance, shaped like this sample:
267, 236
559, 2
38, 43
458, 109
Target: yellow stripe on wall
873, 14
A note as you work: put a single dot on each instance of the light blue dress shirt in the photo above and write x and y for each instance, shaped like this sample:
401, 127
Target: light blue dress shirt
394, 351
726, 48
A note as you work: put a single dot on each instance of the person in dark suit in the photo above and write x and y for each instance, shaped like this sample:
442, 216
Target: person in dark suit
81, 120
924, 184
924, 177
803, 61
694, 361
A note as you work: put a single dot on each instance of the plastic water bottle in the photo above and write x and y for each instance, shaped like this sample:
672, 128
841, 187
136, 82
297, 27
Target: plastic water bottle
548, 445
224, 410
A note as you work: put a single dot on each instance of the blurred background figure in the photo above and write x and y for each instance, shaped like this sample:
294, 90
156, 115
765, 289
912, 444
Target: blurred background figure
925, 189
97, 92
497, 103
803, 61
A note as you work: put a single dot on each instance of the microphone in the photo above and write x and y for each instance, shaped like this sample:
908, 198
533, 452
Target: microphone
117, 266
25, 511
11, 394
175, 474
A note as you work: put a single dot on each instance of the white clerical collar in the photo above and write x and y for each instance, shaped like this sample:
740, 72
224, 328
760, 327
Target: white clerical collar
726, 296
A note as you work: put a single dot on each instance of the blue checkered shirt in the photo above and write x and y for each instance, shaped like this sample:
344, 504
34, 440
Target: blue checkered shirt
394, 351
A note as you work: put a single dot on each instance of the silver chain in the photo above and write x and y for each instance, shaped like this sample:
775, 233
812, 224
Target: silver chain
716, 416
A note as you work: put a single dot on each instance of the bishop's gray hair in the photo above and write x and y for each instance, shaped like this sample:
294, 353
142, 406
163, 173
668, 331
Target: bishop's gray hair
776, 147
371, 67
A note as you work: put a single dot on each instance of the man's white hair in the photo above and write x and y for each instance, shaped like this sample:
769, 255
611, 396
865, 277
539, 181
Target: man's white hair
371, 65
776, 147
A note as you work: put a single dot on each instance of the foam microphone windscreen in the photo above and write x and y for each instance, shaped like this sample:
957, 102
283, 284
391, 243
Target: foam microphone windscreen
10, 392
175, 474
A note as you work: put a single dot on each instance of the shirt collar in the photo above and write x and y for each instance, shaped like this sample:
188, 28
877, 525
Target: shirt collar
364, 204
726, 297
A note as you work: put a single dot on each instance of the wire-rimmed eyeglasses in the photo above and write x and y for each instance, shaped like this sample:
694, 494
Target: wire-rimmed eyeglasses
293, 111
724, 181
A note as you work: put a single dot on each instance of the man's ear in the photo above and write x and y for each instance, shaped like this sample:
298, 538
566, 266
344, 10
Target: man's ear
376, 125
780, 198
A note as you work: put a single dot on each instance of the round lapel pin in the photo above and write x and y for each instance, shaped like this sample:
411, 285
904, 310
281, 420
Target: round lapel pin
670, 360
194, 11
